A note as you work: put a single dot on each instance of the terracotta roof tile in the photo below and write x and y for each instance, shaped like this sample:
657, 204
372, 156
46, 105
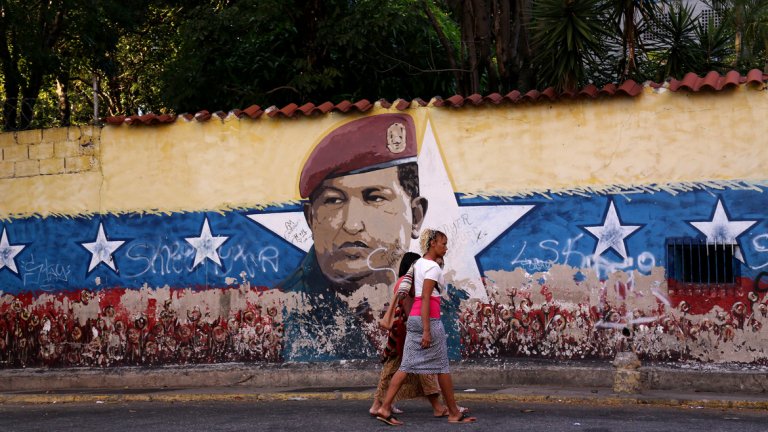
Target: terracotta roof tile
202, 115
589, 91
607, 90
530, 96
494, 98
474, 99
149, 119
253, 111
361, 106
756, 77
402, 104
514, 96
115, 120
733, 77
286, 111
712, 81
629, 88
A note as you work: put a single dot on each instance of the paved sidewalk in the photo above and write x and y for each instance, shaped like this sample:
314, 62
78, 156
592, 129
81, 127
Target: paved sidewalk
588, 382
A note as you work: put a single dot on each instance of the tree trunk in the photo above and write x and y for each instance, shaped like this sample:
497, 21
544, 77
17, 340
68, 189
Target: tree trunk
737, 49
446, 45
114, 99
523, 76
765, 66
630, 41
9, 66
62, 91
468, 40
483, 40
29, 95
10, 105
502, 30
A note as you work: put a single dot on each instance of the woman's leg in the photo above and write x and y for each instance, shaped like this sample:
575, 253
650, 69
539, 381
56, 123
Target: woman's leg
385, 411
446, 385
387, 370
431, 389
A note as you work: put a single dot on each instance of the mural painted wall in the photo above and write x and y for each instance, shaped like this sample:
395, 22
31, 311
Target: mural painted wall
576, 229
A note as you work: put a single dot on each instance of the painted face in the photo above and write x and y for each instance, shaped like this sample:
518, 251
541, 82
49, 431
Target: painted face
361, 222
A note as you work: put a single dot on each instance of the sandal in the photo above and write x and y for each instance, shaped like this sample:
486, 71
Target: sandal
464, 419
390, 420
446, 413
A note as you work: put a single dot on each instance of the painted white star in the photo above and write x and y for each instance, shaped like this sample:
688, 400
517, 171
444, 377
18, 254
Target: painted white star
8, 252
206, 245
612, 234
102, 249
291, 226
470, 228
721, 230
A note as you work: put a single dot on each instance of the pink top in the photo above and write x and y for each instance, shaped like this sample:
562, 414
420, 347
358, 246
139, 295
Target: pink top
434, 307
425, 269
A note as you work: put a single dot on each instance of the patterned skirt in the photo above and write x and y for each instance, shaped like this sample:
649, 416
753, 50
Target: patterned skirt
431, 360
413, 387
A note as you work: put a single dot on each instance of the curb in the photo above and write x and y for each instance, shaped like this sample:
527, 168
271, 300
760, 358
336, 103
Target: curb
614, 400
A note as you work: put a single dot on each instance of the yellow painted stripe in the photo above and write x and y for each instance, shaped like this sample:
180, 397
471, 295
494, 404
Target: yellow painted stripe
658, 137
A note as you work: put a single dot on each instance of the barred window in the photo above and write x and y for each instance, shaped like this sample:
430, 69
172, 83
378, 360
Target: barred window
695, 261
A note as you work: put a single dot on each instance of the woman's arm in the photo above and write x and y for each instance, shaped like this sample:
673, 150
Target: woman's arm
426, 293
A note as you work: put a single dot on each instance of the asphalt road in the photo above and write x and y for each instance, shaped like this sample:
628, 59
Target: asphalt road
346, 415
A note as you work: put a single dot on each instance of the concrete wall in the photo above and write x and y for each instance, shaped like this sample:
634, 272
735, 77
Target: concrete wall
186, 243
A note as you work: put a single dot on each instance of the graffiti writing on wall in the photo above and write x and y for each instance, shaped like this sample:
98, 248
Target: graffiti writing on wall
44, 274
175, 258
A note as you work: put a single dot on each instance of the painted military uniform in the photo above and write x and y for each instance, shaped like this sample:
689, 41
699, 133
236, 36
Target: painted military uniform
323, 329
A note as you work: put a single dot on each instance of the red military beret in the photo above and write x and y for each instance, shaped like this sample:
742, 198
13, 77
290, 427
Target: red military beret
362, 145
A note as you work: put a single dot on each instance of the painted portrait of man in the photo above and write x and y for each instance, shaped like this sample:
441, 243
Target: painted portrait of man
361, 183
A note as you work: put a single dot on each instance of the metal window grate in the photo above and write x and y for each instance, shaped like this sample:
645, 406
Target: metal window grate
708, 14
694, 261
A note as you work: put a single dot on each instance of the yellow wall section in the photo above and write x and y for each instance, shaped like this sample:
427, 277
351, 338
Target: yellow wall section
658, 137
67, 194
654, 138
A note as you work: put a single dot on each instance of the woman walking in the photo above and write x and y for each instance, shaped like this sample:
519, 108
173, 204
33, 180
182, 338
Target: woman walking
426, 343
414, 386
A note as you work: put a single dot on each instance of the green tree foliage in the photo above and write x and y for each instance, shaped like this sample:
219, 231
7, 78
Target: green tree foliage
690, 45
677, 33
713, 41
630, 34
52, 49
31, 31
748, 23
237, 53
187, 55
492, 51
570, 37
